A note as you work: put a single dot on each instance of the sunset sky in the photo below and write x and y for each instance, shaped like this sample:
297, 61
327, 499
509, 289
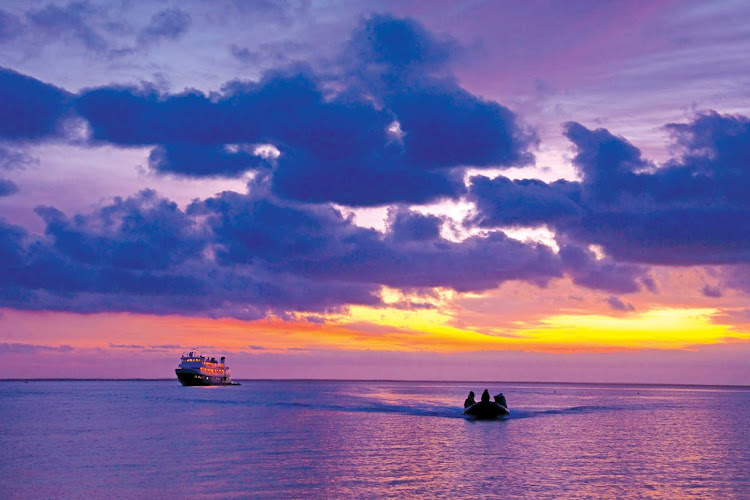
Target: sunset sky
518, 191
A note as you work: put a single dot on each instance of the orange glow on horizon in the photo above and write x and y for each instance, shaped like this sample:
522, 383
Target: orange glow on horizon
401, 330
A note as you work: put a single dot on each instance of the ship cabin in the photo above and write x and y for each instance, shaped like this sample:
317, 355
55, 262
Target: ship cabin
193, 360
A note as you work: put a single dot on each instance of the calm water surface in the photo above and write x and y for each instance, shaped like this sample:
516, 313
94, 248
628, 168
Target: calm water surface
95, 439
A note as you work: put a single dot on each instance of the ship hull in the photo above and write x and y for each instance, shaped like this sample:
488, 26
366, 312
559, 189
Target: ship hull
191, 378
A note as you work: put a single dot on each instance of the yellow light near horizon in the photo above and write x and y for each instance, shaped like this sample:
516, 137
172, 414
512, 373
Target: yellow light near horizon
431, 330
657, 328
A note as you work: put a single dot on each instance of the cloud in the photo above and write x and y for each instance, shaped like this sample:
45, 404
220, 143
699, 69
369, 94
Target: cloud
618, 305
73, 20
29, 109
245, 256
270, 53
691, 210
526, 202
142, 232
388, 50
143, 254
319, 243
18, 348
15, 160
7, 187
126, 346
335, 145
283, 247
606, 163
602, 274
332, 130
167, 24
711, 291
203, 161
331, 149
12, 246
369, 179
446, 126
10, 26
407, 225
283, 12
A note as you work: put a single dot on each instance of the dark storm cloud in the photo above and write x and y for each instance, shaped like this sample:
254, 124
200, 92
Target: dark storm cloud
392, 127
525, 202
167, 24
11, 245
142, 232
334, 146
447, 126
288, 107
390, 51
407, 225
335, 134
331, 149
203, 161
443, 125
245, 256
377, 178
606, 163
691, 210
319, 243
144, 255
7, 187
29, 109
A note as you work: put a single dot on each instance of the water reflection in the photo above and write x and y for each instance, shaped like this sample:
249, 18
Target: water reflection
336, 439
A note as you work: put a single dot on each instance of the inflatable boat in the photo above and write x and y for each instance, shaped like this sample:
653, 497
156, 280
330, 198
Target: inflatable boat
486, 410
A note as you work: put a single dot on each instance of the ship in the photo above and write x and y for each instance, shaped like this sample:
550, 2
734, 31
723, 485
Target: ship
195, 369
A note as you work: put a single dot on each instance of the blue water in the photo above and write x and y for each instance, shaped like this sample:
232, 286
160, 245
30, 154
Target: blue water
315, 439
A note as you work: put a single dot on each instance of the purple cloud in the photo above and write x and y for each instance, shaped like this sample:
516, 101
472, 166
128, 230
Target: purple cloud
407, 225
244, 256
7, 187
526, 202
15, 160
690, 210
168, 24
72, 20
18, 348
618, 305
29, 109
711, 291
203, 161
10, 26
334, 147
142, 232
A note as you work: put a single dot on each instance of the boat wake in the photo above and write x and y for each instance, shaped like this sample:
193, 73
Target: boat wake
418, 410
573, 410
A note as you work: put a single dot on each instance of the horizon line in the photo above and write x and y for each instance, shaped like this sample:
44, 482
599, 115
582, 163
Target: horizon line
640, 384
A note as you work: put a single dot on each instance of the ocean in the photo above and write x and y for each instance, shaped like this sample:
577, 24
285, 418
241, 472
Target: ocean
341, 439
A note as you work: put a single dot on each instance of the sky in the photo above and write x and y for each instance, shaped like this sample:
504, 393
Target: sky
442, 190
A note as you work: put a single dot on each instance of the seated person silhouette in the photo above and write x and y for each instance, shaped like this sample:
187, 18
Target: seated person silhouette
470, 400
500, 399
486, 396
